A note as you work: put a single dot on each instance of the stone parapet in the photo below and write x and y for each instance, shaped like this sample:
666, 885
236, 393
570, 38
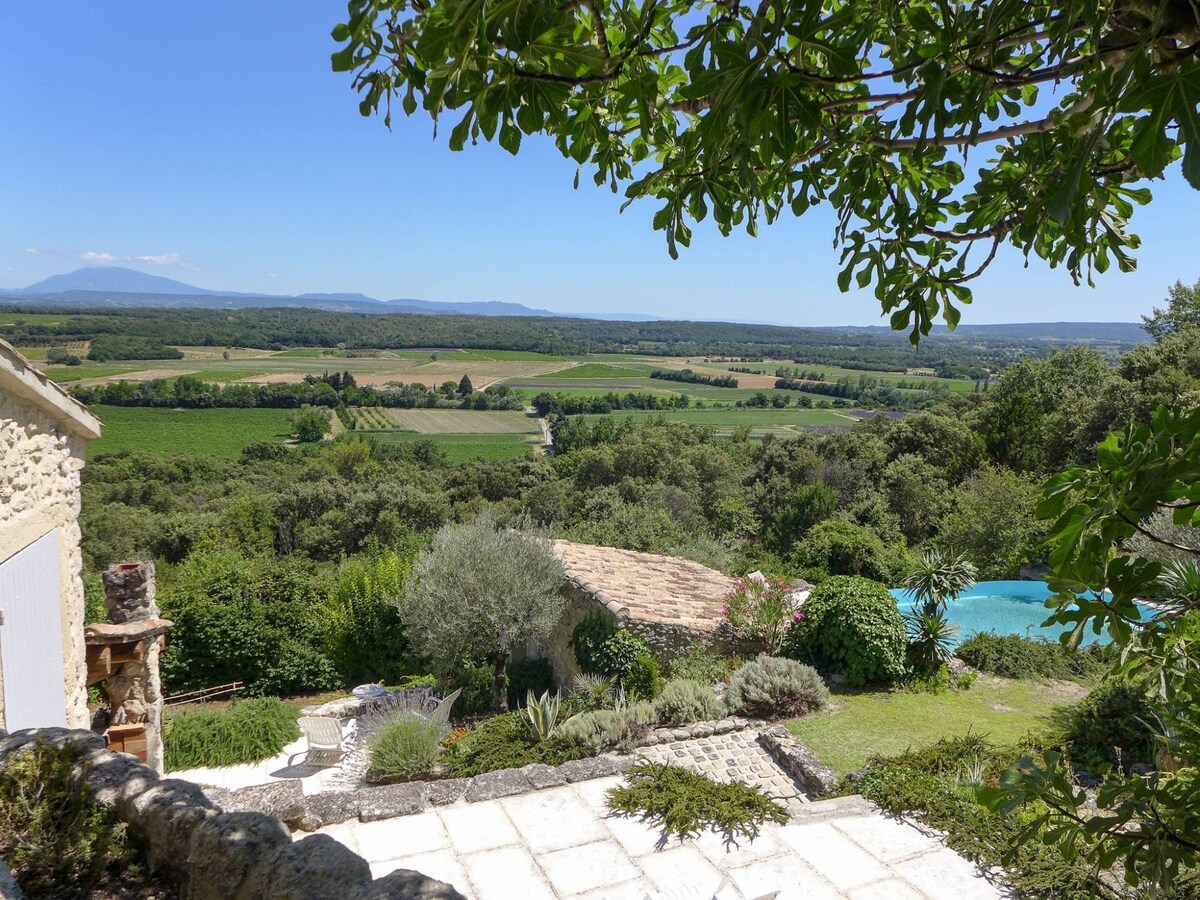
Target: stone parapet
797, 760
217, 853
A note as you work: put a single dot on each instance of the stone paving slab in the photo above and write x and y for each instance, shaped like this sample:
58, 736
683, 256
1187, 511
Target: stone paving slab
560, 843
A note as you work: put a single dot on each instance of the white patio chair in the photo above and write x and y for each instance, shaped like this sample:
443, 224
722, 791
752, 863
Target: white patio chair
440, 714
325, 746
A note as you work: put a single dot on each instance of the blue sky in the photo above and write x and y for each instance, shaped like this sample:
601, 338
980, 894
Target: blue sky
210, 142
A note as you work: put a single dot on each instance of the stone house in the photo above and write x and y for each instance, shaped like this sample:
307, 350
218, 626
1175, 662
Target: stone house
43, 435
668, 601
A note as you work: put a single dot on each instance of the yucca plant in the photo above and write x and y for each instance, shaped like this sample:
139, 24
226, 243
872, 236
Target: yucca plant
939, 577
543, 713
931, 637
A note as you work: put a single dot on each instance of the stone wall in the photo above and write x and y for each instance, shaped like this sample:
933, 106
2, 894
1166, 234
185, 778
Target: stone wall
665, 639
220, 854
40, 462
557, 647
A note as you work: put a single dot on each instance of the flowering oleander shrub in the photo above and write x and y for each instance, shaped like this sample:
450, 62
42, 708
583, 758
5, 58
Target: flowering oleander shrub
761, 609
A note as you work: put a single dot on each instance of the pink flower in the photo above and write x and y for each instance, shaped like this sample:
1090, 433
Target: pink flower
798, 617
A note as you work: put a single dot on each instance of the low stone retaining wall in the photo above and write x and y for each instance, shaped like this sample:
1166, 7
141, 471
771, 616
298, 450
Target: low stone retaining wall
285, 800
797, 760
222, 853
698, 730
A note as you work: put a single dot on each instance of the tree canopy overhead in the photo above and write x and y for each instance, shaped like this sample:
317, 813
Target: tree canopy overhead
747, 111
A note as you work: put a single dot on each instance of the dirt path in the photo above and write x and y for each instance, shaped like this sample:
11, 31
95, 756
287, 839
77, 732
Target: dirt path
547, 447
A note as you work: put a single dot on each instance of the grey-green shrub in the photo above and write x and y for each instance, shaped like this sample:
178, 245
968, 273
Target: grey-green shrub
604, 729
770, 687
683, 700
401, 746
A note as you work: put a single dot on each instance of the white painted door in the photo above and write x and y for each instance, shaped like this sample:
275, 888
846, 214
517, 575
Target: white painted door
31, 638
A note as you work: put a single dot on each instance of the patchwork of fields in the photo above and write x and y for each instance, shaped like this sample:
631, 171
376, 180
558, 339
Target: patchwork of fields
464, 434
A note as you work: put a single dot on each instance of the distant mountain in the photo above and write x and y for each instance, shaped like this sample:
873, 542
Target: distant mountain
114, 286
112, 278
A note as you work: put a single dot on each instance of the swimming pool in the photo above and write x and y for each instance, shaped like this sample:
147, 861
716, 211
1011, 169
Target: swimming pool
1005, 607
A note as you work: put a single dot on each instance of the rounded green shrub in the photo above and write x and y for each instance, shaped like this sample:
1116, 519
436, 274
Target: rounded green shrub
588, 639
852, 628
1115, 716
401, 746
246, 731
771, 687
683, 701
506, 741
643, 681
1019, 656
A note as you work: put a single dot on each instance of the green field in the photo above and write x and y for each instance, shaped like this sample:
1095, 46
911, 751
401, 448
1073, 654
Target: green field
7, 317
857, 726
65, 374
222, 432
760, 421
445, 421
601, 370
462, 447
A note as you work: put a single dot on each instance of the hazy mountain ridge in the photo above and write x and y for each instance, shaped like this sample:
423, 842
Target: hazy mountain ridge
117, 286
129, 288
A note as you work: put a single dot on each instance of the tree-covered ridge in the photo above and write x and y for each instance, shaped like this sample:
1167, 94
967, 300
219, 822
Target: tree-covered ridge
863, 348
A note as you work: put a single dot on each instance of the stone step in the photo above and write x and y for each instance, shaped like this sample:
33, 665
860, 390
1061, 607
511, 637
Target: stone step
836, 808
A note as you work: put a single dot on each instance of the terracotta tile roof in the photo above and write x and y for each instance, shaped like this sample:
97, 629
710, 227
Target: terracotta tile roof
646, 586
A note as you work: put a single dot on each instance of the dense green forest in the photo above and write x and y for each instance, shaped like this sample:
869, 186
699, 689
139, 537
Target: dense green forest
278, 566
878, 349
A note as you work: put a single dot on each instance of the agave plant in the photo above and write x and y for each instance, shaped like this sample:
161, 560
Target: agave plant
543, 713
931, 637
938, 578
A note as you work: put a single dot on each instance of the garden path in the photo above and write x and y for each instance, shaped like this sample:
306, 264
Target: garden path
736, 756
560, 843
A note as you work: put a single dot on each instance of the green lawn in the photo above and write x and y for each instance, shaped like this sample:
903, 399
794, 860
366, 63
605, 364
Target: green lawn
223, 432
860, 725
462, 447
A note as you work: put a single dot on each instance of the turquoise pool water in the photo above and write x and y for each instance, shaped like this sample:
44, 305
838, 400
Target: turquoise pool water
1005, 607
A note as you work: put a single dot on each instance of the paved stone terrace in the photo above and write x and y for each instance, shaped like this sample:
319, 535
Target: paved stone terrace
737, 756
560, 843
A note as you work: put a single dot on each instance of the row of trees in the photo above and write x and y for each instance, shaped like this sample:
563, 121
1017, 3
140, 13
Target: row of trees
690, 377
328, 390
558, 404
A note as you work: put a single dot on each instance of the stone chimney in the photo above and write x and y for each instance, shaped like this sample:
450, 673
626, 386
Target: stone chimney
128, 650
129, 592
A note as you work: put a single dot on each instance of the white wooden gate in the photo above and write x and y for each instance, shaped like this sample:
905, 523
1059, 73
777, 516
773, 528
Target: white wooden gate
31, 637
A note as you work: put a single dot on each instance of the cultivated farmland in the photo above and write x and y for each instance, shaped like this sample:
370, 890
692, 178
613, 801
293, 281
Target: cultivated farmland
221, 432
445, 421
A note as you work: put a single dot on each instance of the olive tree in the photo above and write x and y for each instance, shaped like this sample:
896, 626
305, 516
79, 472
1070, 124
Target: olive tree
479, 591
938, 132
